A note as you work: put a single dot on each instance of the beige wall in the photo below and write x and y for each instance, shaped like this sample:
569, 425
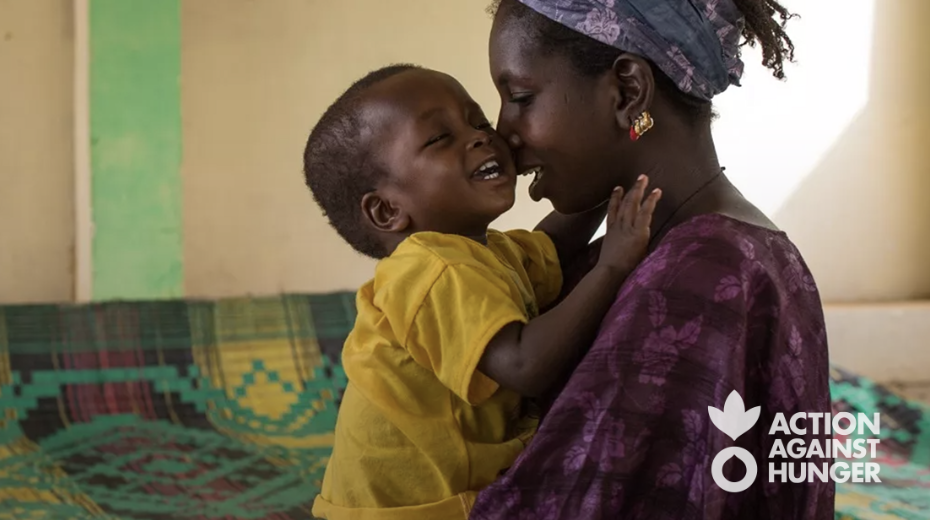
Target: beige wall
883, 341
255, 81
36, 188
862, 216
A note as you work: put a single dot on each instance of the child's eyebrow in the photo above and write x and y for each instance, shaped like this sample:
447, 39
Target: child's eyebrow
429, 114
475, 108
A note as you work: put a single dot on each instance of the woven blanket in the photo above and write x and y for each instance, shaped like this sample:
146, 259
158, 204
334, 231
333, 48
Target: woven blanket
225, 410
169, 410
903, 453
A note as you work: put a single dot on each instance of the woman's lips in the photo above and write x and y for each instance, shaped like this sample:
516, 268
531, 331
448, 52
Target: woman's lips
536, 192
535, 188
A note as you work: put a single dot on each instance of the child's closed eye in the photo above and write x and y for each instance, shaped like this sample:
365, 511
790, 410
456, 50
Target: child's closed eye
435, 139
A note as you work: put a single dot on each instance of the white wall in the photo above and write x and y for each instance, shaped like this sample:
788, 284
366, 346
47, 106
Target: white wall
838, 153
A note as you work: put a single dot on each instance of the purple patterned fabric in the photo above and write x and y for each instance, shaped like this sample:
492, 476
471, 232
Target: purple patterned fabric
694, 42
720, 305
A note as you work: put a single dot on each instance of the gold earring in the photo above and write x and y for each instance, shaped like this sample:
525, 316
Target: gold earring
641, 125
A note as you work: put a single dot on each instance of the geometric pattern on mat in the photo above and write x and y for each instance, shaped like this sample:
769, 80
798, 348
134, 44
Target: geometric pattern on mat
208, 410
171, 409
903, 452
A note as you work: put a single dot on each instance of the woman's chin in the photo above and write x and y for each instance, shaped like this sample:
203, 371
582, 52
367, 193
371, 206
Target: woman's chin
570, 201
568, 207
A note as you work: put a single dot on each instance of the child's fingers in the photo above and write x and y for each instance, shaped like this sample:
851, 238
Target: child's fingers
644, 217
612, 207
633, 200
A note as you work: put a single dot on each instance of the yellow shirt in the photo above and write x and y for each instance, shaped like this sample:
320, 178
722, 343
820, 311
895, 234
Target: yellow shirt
420, 431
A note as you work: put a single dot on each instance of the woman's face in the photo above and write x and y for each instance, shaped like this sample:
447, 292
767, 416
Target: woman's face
556, 120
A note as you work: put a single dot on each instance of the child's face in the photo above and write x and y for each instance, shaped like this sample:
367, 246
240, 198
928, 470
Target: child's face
449, 171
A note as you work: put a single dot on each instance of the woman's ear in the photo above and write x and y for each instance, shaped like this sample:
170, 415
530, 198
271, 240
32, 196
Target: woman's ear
383, 215
634, 86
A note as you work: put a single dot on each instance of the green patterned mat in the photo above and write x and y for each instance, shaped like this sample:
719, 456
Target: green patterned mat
903, 452
199, 410
225, 410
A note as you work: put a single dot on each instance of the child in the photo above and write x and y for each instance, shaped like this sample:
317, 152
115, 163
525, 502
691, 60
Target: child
448, 336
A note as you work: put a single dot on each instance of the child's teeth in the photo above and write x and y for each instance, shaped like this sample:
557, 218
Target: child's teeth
489, 170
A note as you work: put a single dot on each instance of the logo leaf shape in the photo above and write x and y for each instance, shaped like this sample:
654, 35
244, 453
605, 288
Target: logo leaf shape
734, 420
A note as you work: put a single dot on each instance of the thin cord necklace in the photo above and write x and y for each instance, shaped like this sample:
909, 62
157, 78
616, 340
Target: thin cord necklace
683, 204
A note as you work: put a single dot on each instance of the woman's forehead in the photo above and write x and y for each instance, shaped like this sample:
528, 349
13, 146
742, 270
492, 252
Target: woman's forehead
515, 56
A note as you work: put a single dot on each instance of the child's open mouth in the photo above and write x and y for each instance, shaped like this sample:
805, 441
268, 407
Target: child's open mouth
488, 171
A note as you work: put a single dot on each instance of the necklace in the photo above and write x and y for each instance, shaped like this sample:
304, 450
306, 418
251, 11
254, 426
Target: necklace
683, 204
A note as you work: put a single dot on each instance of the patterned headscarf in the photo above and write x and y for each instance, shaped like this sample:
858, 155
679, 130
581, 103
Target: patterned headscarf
694, 42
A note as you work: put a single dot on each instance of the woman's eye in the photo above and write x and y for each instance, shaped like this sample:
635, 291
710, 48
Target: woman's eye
522, 98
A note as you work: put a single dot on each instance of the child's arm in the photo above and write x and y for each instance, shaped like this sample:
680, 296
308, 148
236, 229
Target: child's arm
528, 358
572, 233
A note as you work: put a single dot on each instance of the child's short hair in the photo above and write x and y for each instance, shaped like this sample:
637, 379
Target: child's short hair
339, 170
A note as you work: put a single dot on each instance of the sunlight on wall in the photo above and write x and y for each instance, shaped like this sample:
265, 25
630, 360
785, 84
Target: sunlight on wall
772, 134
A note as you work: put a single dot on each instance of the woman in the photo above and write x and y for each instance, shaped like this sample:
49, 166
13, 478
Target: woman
595, 93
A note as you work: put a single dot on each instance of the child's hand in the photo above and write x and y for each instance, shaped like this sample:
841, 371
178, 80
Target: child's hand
629, 221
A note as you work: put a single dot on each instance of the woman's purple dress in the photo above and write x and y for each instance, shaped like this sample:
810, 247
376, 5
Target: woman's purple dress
720, 305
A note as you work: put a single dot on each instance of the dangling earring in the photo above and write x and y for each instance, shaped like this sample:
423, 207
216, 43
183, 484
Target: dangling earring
641, 125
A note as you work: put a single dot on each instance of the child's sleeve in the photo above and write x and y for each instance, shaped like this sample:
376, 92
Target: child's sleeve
541, 261
463, 310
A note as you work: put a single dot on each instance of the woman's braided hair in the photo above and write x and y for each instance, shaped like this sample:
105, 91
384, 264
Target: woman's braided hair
765, 25
765, 22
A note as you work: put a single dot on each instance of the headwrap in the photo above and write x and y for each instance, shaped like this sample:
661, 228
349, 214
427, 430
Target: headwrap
694, 42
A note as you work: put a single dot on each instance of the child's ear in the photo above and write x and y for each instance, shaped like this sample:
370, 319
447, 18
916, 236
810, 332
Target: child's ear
384, 215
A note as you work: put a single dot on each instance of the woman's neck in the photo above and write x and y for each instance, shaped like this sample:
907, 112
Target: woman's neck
699, 191
686, 175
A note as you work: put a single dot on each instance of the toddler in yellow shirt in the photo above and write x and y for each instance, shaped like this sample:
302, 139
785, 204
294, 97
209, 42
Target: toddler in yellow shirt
449, 337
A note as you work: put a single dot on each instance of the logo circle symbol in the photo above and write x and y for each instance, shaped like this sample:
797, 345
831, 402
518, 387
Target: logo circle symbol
716, 469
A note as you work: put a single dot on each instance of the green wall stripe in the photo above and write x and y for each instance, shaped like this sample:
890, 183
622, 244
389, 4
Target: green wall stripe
135, 130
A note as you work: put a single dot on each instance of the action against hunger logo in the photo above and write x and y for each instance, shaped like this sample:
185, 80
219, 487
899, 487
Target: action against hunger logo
735, 420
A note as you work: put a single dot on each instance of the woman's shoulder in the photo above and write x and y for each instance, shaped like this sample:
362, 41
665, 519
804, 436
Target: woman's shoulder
724, 226
722, 254
719, 234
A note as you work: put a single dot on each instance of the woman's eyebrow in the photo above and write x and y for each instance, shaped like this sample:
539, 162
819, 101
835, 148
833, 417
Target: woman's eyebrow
503, 79
506, 78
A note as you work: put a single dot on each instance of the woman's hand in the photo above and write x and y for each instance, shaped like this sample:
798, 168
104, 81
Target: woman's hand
629, 222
